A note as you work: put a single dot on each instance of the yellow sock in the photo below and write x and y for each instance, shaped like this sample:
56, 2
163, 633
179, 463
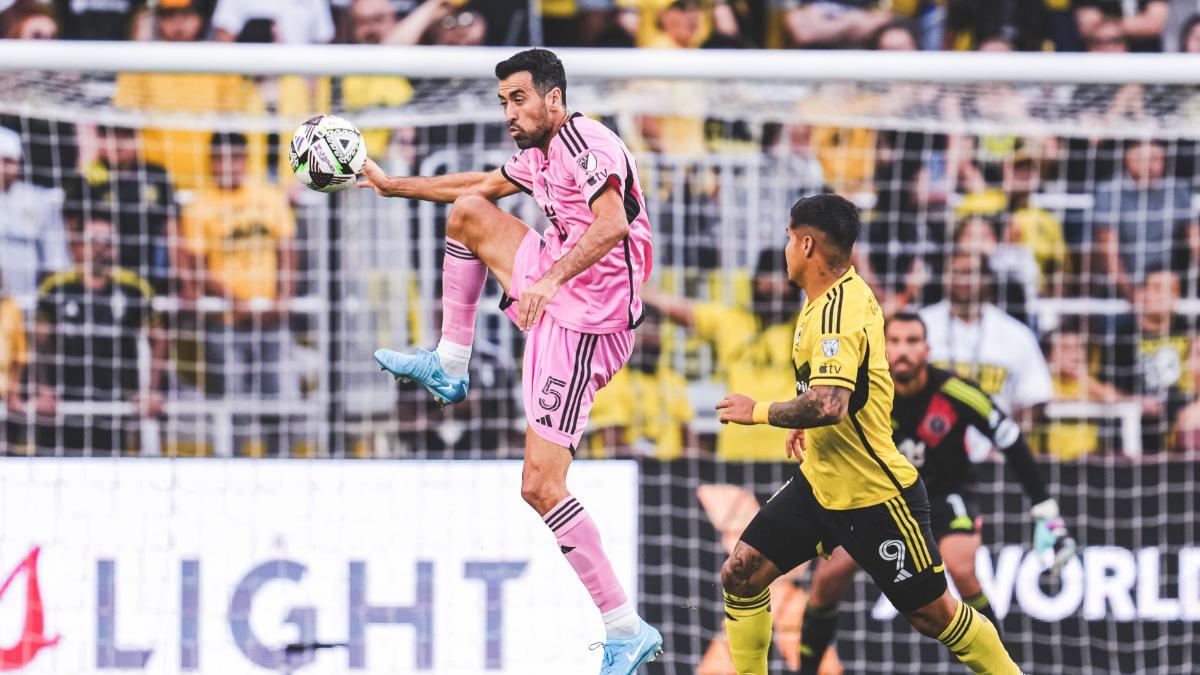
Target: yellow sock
748, 625
975, 642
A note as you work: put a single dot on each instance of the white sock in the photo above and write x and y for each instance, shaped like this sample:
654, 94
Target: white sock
623, 622
454, 357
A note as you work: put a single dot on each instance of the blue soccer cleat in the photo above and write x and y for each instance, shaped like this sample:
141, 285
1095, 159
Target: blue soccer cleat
425, 368
624, 657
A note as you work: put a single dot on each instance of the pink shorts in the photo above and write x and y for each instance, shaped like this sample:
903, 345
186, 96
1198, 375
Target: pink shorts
563, 368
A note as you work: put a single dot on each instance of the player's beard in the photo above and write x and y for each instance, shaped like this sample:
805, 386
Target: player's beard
531, 139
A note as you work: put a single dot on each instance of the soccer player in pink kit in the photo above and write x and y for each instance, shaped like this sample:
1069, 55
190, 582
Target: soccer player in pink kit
573, 289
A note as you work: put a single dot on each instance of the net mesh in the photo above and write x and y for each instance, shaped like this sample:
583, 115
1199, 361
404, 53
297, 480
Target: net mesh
1068, 207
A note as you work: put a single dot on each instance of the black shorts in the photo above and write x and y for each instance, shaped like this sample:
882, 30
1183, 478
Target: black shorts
952, 513
892, 541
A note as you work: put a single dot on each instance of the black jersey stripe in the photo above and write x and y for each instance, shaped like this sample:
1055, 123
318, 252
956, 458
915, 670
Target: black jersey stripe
835, 311
841, 301
567, 140
576, 135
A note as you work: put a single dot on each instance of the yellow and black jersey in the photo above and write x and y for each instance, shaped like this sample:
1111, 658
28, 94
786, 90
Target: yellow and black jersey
92, 353
839, 342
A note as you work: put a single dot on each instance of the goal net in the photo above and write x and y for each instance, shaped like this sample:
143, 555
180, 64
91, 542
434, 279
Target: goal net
169, 290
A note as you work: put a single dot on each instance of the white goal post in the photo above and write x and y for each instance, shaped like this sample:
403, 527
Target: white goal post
765, 65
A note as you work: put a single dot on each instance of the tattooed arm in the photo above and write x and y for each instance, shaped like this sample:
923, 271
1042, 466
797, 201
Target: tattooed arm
818, 407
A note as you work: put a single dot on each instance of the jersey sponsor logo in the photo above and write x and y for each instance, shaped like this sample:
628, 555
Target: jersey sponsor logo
831, 346
893, 550
829, 369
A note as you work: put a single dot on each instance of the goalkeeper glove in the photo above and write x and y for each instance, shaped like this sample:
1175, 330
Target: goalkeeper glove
1052, 544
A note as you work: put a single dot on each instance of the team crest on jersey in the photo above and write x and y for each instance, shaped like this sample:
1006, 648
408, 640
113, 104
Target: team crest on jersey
587, 162
831, 346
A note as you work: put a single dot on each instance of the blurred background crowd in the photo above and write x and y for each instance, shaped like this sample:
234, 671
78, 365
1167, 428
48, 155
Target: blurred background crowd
149, 271
1026, 25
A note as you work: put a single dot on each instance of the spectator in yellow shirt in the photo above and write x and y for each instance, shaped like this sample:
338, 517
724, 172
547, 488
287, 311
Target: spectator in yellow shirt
644, 411
239, 238
753, 350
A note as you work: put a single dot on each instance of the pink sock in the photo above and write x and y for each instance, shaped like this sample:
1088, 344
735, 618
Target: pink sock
579, 540
462, 283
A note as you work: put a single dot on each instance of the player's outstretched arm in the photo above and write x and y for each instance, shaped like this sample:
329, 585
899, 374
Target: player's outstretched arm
492, 185
820, 406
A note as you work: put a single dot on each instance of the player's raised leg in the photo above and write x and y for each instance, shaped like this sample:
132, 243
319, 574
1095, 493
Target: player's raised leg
966, 633
830, 583
958, 551
479, 236
894, 543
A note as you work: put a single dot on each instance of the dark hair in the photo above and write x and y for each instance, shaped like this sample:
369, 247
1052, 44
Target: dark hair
1188, 26
543, 67
907, 317
834, 215
231, 139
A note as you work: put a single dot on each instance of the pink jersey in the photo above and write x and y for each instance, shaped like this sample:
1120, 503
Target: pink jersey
584, 159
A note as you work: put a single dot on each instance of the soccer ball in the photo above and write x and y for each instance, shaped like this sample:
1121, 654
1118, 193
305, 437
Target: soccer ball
327, 152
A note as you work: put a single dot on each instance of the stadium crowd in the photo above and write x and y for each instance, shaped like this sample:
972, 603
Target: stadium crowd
185, 250
1028, 25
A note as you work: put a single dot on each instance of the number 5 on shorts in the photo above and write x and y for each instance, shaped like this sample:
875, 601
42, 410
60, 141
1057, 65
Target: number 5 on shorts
549, 390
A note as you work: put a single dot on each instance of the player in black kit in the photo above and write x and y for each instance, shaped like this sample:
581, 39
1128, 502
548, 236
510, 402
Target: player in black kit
932, 413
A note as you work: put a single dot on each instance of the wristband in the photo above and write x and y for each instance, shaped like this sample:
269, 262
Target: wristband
761, 413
